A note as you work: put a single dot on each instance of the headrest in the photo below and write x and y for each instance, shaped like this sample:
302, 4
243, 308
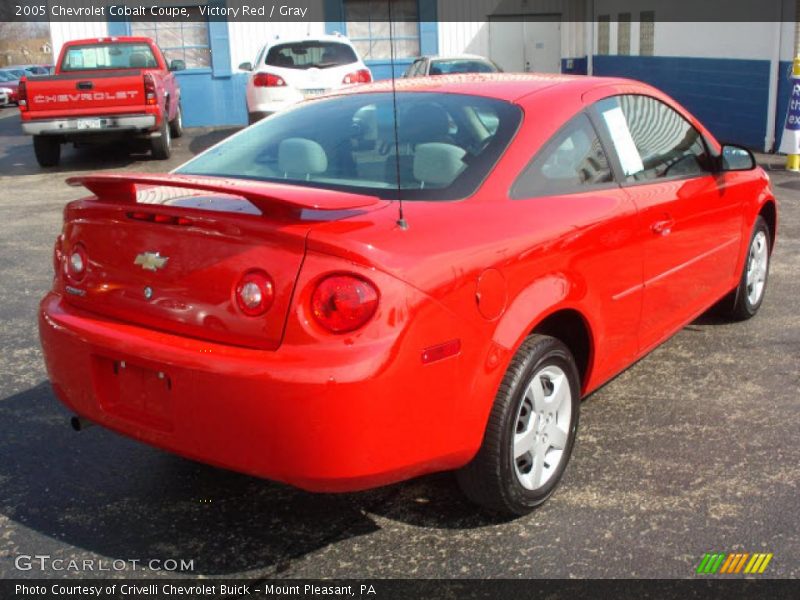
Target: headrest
300, 156
437, 164
138, 60
424, 122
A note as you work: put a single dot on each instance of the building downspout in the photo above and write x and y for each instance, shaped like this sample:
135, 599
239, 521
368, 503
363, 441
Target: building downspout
774, 80
588, 36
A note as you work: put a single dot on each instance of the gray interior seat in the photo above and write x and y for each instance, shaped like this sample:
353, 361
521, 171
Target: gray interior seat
140, 60
300, 158
438, 165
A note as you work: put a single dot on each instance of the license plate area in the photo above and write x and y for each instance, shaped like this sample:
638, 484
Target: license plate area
90, 123
313, 92
134, 392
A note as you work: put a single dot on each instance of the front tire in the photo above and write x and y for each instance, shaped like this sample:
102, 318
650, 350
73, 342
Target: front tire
749, 295
47, 150
161, 145
531, 430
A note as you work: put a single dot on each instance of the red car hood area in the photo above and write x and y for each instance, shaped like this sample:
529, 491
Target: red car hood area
172, 252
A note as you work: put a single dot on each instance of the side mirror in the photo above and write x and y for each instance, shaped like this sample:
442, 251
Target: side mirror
246, 66
177, 65
737, 158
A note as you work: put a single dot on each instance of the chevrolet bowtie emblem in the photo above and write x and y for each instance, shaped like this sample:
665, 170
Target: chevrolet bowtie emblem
150, 261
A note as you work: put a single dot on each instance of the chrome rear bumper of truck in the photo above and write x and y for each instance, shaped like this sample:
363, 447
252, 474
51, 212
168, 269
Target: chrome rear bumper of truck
89, 125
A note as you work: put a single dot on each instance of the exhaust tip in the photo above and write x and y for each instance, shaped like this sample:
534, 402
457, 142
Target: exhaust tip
79, 424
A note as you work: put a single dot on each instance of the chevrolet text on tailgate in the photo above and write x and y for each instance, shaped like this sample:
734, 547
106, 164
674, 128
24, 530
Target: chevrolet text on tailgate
103, 88
270, 307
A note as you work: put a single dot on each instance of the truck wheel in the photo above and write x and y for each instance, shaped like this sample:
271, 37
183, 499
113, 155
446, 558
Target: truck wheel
161, 146
47, 150
530, 432
176, 125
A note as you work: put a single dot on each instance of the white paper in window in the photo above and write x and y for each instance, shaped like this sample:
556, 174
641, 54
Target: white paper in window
623, 142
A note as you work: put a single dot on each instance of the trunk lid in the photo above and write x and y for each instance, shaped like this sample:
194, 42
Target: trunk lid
169, 258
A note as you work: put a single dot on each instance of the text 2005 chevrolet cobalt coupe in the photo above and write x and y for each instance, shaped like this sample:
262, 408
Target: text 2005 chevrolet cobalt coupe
270, 306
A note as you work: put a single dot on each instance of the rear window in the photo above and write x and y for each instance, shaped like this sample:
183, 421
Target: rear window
444, 67
108, 56
307, 54
445, 145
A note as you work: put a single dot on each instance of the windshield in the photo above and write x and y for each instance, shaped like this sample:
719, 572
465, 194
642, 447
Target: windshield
442, 67
445, 147
109, 56
5, 76
307, 54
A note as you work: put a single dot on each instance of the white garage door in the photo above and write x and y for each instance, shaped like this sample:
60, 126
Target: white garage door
527, 44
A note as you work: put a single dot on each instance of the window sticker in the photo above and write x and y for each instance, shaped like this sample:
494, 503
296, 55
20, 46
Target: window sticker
623, 142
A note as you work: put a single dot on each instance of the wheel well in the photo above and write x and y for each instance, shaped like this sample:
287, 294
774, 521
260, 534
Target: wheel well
570, 327
769, 214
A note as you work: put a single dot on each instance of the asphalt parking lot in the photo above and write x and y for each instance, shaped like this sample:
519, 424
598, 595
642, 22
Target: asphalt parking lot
692, 450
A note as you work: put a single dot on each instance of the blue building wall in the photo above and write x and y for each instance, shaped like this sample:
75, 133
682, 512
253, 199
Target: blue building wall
730, 96
575, 66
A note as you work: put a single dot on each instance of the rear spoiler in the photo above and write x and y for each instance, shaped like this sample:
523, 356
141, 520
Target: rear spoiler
265, 196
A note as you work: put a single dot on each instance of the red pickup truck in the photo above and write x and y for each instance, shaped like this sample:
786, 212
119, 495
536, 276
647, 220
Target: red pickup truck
103, 88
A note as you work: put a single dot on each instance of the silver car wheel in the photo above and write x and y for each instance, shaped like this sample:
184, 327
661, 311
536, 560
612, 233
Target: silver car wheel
758, 261
542, 427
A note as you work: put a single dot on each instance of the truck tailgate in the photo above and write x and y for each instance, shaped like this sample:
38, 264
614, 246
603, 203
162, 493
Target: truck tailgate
74, 94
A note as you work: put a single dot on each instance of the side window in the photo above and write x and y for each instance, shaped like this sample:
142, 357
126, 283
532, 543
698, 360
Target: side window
652, 140
572, 161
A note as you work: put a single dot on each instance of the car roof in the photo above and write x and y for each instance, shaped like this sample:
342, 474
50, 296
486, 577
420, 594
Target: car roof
457, 57
327, 37
503, 86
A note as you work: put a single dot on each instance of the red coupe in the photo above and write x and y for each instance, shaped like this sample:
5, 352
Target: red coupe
403, 278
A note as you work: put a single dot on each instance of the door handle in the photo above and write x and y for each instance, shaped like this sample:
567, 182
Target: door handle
663, 227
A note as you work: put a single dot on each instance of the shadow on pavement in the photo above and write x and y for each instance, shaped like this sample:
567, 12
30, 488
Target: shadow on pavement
206, 140
106, 495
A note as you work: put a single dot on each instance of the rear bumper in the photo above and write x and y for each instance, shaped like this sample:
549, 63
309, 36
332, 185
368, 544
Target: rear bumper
109, 124
323, 420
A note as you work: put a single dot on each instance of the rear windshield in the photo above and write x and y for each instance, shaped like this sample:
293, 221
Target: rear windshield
307, 54
445, 145
443, 67
109, 56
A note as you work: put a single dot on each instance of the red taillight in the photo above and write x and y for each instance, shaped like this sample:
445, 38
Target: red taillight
343, 303
255, 293
267, 80
76, 263
360, 76
155, 218
22, 94
149, 89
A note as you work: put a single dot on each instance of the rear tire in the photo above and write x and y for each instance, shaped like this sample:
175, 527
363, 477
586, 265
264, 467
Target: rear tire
47, 150
530, 433
176, 125
161, 146
752, 288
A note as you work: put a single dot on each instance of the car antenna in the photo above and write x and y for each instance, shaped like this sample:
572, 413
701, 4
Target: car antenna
401, 221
